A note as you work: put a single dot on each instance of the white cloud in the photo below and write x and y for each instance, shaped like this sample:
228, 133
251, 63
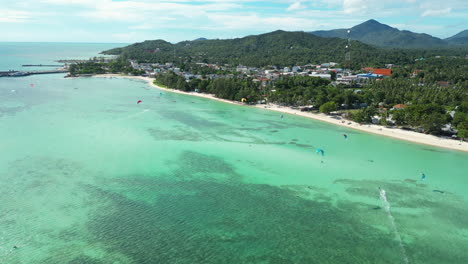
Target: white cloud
153, 24
243, 22
125, 37
436, 12
177, 19
295, 6
14, 16
134, 11
357, 6
76, 2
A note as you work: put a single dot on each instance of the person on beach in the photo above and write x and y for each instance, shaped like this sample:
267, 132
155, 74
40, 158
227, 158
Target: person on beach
281, 116
423, 176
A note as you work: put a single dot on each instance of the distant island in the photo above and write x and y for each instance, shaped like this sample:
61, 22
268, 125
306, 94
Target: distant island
424, 90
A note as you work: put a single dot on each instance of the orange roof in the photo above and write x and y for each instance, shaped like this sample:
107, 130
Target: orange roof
399, 106
385, 72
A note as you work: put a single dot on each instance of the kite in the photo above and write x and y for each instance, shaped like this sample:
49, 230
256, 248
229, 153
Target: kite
320, 151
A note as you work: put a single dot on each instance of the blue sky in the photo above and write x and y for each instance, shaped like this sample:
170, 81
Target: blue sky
176, 20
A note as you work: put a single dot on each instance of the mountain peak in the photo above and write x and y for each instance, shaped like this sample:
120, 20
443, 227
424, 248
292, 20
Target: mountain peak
372, 21
372, 25
375, 33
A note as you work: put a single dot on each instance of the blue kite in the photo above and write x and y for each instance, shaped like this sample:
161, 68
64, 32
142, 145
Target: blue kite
319, 150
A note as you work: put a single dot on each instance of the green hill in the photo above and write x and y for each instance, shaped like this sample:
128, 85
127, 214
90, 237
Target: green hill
280, 48
459, 39
378, 34
274, 48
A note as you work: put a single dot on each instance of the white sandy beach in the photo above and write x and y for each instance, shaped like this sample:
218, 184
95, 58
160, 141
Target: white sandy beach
375, 129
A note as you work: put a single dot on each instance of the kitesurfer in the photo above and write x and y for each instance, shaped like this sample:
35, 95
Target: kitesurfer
319, 150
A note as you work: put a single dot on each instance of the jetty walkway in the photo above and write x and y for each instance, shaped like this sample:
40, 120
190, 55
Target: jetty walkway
27, 73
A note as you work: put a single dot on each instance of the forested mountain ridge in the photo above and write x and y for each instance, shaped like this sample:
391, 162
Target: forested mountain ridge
275, 48
374, 33
458, 39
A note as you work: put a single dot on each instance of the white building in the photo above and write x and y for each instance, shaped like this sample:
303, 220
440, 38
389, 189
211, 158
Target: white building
321, 75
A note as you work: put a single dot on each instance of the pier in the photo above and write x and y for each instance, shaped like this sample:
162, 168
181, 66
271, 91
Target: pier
23, 73
41, 65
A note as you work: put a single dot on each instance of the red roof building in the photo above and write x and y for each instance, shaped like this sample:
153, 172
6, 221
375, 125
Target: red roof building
399, 106
384, 72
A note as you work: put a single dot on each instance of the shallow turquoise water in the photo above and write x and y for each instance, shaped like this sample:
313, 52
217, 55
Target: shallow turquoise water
89, 176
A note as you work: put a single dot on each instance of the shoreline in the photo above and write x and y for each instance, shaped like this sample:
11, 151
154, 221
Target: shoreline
396, 133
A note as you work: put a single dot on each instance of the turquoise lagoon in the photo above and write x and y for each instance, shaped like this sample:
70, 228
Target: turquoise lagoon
89, 176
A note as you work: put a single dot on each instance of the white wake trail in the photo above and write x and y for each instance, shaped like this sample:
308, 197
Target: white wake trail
383, 197
132, 115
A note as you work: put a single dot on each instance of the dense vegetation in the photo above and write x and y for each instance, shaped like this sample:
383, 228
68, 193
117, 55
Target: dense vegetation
460, 120
94, 67
276, 48
226, 88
